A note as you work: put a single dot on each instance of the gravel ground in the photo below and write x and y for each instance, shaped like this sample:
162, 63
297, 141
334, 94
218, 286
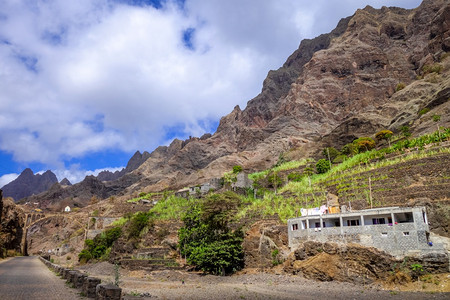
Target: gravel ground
187, 285
28, 278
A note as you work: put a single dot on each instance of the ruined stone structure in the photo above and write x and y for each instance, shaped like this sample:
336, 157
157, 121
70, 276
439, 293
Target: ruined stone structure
398, 231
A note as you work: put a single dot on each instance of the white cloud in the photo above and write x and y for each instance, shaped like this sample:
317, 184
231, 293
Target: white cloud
7, 178
83, 76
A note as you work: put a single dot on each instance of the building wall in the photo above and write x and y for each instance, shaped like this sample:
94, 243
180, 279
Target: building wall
395, 238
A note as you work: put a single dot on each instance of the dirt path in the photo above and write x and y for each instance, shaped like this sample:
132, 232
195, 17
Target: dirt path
184, 285
28, 278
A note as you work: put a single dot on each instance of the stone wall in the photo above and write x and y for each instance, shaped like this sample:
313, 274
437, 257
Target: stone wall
90, 287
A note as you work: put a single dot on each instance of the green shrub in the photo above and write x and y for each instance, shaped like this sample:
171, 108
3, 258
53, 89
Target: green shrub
323, 166
405, 131
340, 159
423, 111
137, 223
434, 68
384, 135
294, 176
274, 180
237, 169
364, 144
436, 118
333, 152
350, 149
97, 247
400, 86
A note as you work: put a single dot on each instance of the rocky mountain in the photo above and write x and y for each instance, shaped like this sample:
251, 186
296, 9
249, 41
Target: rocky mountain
65, 181
378, 69
28, 184
135, 161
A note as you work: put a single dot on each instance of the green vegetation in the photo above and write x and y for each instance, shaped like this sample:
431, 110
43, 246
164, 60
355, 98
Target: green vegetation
323, 166
237, 169
423, 111
137, 223
400, 86
364, 144
100, 246
207, 241
434, 68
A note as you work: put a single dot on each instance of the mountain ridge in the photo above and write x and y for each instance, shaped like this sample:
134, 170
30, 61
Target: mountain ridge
331, 90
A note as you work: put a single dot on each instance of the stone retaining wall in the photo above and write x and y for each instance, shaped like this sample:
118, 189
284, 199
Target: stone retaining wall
90, 286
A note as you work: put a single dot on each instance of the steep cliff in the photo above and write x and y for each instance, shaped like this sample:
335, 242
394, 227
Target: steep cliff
333, 89
11, 227
378, 69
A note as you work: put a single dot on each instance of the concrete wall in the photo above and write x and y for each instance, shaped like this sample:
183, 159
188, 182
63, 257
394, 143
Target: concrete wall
395, 238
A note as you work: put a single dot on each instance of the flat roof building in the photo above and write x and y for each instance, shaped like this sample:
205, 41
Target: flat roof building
397, 230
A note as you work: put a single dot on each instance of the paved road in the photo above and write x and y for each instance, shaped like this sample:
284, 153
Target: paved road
29, 279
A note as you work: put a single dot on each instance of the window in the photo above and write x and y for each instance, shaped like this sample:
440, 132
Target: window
406, 233
353, 222
376, 221
294, 226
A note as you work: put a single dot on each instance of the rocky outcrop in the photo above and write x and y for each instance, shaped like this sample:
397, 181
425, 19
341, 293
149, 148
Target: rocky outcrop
11, 226
28, 184
135, 161
355, 263
65, 181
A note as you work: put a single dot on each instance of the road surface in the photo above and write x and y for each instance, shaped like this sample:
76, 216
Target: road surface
28, 278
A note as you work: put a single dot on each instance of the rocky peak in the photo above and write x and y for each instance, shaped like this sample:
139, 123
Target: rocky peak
28, 184
65, 181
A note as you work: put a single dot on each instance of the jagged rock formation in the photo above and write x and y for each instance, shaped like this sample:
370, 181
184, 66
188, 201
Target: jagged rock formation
333, 89
65, 181
11, 226
135, 161
28, 184
59, 195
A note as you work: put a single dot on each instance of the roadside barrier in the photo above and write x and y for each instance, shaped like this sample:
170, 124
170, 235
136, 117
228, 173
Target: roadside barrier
90, 286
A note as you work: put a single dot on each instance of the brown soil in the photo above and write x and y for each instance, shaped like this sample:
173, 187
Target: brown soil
255, 285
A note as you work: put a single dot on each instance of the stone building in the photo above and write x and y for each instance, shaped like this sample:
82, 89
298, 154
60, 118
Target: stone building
398, 231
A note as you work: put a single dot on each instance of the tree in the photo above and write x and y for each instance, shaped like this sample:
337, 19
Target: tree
364, 144
207, 240
384, 135
323, 166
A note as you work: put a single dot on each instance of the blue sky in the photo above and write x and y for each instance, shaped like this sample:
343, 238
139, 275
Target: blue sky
84, 84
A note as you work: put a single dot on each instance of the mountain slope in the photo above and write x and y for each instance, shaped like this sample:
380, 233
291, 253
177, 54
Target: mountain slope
28, 184
378, 69
331, 90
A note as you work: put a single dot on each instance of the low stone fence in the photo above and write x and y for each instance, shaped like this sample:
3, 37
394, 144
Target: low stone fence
91, 287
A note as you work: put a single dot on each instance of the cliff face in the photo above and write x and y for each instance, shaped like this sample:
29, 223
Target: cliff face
135, 161
11, 223
333, 89
28, 184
